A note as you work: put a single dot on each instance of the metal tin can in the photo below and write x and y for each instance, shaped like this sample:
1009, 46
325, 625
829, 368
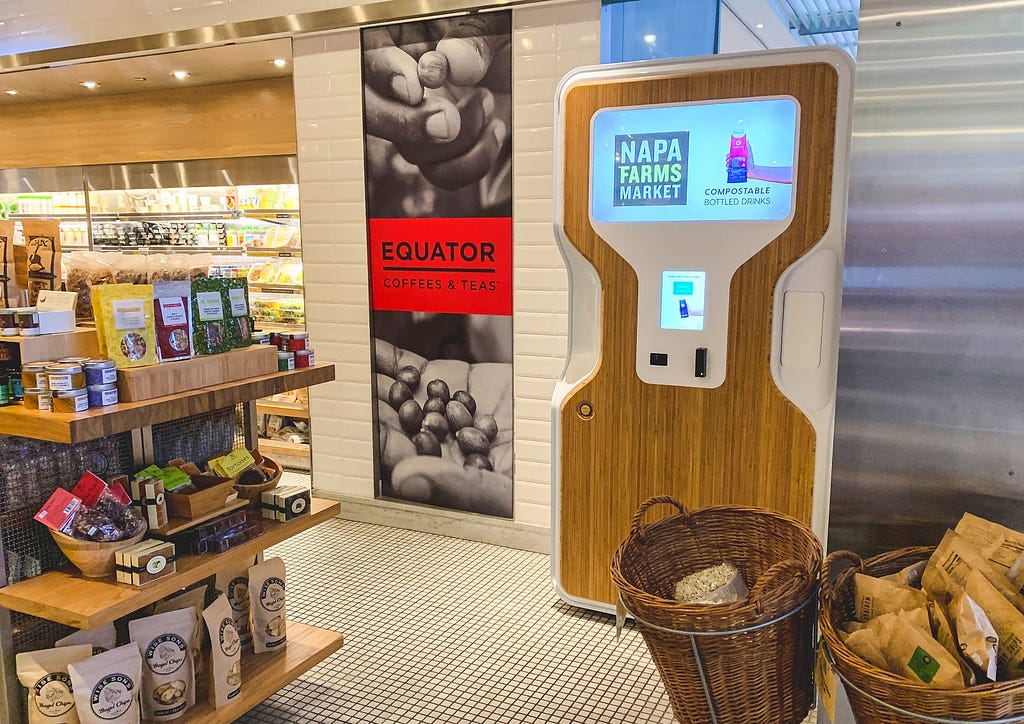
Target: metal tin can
298, 341
304, 358
102, 395
100, 372
38, 398
34, 374
285, 361
71, 401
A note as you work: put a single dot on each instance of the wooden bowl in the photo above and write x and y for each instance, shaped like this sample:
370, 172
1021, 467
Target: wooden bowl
94, 560
252, 493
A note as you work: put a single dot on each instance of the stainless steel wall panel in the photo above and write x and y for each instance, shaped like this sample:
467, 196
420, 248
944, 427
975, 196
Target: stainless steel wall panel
930, 410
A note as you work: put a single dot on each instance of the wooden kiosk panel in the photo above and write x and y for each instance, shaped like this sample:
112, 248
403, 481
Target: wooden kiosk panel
740, 443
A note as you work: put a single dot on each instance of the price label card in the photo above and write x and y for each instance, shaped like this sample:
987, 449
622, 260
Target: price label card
825, 680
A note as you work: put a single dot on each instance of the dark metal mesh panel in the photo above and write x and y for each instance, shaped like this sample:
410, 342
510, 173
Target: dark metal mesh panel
30, 470
198, 438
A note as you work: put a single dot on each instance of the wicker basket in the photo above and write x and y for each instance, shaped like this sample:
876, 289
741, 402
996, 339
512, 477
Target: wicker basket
747, 662
878, 696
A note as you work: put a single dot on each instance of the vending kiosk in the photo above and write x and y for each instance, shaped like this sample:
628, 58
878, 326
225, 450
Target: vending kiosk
700, 209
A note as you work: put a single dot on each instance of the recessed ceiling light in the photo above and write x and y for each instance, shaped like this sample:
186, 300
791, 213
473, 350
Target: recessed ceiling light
140, 78
278, 62
11, 92
759, 26
650, 38
181, 74
90, 84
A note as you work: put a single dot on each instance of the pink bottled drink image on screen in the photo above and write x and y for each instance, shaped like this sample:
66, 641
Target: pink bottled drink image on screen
736, 161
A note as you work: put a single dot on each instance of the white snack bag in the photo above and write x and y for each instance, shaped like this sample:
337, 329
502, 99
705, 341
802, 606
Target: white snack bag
168, 676
101, 639
106, 686
194, 599
234, 583
45, 674
225, 653
266, 596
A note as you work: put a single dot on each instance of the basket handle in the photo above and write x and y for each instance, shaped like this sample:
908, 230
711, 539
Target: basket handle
855, 561
636, 528
767, 579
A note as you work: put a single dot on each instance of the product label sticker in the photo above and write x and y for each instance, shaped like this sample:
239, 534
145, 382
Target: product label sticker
924, 665
211, 306
173, 312
52, 695
229, 640
112, 696
165, 654
156, 564
272, 594
239, 305
129, 314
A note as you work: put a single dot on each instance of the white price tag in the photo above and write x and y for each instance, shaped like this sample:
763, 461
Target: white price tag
129, 314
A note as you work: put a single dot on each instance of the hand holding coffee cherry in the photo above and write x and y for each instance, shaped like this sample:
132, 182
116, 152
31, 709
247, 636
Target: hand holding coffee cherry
445, 430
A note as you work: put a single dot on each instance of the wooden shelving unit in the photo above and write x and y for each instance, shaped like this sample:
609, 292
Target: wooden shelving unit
90, 602
66, 596
69, 427
285, 409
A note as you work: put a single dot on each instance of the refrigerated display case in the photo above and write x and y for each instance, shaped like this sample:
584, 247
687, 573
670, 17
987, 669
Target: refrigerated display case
244, 212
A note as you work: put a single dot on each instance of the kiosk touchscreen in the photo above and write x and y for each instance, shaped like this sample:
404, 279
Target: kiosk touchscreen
700, 211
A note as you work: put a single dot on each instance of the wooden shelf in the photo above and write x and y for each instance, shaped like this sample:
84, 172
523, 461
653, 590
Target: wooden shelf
68, 597
286, 409
275, 448
263, 674
70, 427
80, 343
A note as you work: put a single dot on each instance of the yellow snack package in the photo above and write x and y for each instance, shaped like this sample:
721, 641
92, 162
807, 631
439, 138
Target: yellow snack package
125, 323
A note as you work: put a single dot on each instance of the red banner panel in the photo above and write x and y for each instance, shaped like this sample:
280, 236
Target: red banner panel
457, 266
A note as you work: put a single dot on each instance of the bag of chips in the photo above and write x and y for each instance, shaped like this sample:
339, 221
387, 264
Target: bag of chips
101, 639
44, 673
234, 583
267, 597
876, 596
225, 653
125, 323
168, 676
106, 686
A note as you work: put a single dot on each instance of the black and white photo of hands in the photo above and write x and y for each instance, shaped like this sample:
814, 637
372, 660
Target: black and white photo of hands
445, 430
439, 91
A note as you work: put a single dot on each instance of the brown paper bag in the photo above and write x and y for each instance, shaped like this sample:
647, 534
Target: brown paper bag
909, 576
1007, 621
951, 564
943, 633
919, 657
8, 275
999, 544
864, 643
874, 597
42, 249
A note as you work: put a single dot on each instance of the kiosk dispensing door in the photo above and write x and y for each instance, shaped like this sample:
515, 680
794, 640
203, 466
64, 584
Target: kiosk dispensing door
701, 211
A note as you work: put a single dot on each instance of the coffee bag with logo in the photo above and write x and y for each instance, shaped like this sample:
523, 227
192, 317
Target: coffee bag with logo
168, 677
106, 686
225, 653
45, 675
234, 583
266, 596
101, 639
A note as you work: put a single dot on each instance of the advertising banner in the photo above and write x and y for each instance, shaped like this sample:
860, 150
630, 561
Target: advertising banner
437, 113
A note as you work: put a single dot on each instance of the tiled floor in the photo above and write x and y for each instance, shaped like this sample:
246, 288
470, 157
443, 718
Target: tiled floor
451, 631
446, 631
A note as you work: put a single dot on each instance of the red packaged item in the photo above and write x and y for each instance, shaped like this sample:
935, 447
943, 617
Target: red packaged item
89, 489
59, 510
172, 336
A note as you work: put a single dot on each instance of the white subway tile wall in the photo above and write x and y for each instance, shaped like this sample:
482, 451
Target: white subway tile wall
548, 42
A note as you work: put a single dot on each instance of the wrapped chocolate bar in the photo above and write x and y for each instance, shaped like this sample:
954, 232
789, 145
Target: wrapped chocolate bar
285, 503
144, 562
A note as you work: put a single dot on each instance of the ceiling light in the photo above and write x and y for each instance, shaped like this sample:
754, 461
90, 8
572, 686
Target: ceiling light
140, 78
759, 26
90, 84
11, 92
279, 62
650, 38
181, 74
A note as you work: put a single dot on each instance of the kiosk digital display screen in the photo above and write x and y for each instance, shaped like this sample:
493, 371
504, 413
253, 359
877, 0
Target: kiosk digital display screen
682, 300
729, 161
